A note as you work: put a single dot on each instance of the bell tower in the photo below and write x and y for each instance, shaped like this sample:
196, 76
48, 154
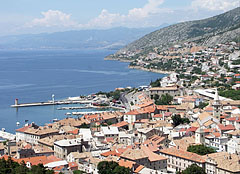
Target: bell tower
216, 106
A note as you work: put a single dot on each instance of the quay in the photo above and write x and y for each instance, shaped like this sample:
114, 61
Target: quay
90, 112
7, 135
73, 108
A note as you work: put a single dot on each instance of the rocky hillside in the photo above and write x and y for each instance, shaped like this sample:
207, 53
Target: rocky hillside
217, 29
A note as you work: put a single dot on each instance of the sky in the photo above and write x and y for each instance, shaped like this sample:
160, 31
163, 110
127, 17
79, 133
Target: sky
38, 16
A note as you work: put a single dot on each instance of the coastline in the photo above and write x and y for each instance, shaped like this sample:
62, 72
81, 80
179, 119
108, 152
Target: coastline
150, 70
139, 67
117, 59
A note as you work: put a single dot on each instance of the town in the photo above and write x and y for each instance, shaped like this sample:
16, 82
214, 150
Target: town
187, 120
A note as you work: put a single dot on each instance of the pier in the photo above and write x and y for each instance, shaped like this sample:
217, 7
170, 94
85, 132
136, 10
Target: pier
60, 102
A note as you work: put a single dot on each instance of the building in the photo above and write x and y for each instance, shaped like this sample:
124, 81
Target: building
173, 91
64, 147
222, 163
144, 156
32, 133
217, 106
179, 160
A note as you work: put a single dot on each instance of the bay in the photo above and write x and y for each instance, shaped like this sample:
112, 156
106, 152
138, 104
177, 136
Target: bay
34, 75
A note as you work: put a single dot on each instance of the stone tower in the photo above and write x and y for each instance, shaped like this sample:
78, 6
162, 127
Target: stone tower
216, 105
200, 136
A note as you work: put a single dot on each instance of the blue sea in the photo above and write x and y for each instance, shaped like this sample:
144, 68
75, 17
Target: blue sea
33, 76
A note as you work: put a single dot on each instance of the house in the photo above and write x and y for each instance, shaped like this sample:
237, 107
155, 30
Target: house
182, 143
216, 141
173, 91
233, 145
64, 147
144, 156
179, 160
221, 163
48, 142
32, 133
146, 133
110, 131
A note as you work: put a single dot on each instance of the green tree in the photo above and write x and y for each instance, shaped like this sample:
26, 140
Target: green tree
78, 172
121, 170
202, 105
200, 149
193, 169
165, 99
177, 120
21, 169
111, 167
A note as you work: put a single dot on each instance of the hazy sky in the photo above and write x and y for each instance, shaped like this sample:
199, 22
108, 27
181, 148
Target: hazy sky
36, 16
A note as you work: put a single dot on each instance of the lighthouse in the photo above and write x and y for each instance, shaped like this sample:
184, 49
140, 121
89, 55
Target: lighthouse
53, 98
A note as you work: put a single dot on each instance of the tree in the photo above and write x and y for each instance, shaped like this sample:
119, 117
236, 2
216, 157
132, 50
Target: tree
177, 120
193, 169
200, 149
78, 172
121, 170
111, 167
165, 99
202, 105
12, 167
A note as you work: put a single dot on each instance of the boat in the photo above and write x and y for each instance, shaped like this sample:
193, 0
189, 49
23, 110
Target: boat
68, 113
55, 120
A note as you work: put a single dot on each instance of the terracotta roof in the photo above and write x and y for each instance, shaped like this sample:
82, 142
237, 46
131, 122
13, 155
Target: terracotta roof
184, 142
225, 161
23, 129
133, 112
162, 107
75, 131
110, 153
151, 155
226, 128
72, 164
183, 154
158, 116
126, 163
134, 154
191, 129
120, 124
138, 169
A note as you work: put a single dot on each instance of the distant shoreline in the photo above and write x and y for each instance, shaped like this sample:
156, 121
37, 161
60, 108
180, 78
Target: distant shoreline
117, 59
139, 67
150, 70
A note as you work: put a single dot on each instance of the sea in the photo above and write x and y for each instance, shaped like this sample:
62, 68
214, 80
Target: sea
34, 75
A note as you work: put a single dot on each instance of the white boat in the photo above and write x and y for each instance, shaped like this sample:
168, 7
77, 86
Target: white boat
55, 120
68, 113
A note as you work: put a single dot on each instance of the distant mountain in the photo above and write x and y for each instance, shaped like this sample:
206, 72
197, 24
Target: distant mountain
217, 29
114, 38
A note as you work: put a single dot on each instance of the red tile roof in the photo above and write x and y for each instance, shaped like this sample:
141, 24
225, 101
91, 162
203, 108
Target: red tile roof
23, 128
227, 127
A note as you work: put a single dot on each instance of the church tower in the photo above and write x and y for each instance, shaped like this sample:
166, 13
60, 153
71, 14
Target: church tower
200, 134
216, 105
